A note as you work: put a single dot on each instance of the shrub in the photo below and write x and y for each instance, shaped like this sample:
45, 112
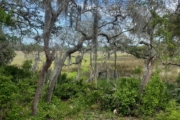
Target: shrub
171, 112
27, 65
138, 70
155, 96
69, 88
124, 98
16, 92
7, 91
17, 73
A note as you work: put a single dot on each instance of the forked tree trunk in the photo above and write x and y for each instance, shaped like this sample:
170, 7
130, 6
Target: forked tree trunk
60, 65
50, 16
56, 72
39, 87
149, 63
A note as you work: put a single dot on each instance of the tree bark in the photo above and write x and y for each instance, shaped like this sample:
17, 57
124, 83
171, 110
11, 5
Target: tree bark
50, 18
60, 65
54, 77
148, 69
91, 68
79, 71
39, 87
79, 62
94, 45
115, 64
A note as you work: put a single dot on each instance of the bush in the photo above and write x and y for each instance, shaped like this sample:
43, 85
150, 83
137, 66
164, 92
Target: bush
27, 65
155, 97
7, 91
171, 112
17, 87
124, 98
138, 70
69, 88
17, 73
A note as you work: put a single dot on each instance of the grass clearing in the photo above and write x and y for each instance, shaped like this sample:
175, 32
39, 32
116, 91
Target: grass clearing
126, 65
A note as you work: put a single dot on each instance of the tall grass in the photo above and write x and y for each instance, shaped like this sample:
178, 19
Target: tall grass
126, 65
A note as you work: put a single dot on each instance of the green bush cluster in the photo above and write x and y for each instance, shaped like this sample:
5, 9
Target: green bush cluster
155, 96
17, 88
17, 73
69, 88
170, 113
18, 84
122, 97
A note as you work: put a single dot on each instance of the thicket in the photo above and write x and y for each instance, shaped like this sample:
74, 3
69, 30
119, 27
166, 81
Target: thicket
71, 97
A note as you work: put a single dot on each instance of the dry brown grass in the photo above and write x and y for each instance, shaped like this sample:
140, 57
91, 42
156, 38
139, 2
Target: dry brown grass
169, 73
125, 66
18, 60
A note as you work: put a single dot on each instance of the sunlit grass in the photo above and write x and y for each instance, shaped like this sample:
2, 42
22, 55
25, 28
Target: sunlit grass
19, 58
125, 65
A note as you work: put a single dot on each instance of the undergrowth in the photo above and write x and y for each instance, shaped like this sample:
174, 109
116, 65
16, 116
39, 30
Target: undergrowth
77, 99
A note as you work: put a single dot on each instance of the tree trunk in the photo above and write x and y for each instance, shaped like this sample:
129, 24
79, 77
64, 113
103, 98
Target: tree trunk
39, 87
108, 73
94, 45
79, 71
53, 80
91, 68
148, 69
69, 62
60, 65
79, 62
56, 72
115, 65
50, 16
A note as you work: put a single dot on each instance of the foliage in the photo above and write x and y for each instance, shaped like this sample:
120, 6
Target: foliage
69, 88
15, 98
138, 70
30, 48
171, 112
18, 73
155, 96
5, 18
7, 90
124, 98
27, 65
54, 110
138, 51
7, 53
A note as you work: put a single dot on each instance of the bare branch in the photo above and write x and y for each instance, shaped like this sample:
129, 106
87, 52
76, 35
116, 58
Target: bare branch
111, 37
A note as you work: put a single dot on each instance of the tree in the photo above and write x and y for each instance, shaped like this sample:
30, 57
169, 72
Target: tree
87, 33
7, 52
150, 21
51, 17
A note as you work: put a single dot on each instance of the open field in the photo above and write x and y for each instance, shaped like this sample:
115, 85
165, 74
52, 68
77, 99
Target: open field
18, 60
126, 65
